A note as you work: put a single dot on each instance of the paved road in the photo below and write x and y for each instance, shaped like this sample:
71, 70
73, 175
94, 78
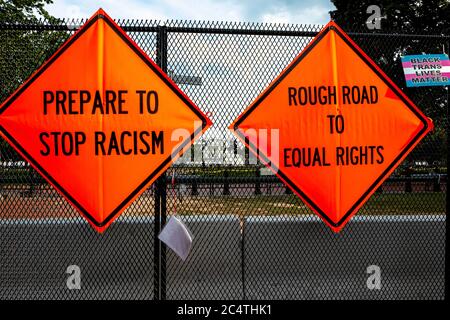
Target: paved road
284, 259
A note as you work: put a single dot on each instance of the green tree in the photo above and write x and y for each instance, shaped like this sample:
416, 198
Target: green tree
23, 11
22, 51
409, 16
430, 17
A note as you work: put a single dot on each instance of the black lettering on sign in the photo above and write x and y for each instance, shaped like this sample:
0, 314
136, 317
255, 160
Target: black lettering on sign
97, 105
158, 142
61, 143
143, 136
71, 102
327, 95
292, 94
286, 157
322, 95
85, 97
60, 102
49, 97
113, 102
151, 101
75, 102
305, 157
359, 95
129, 143
99, 138
42, 137
359, 155
380, 159
336, 123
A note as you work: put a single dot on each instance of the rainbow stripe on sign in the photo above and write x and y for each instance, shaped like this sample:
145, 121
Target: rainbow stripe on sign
426, 70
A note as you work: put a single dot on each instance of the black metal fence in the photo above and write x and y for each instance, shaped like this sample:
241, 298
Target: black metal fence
253, 238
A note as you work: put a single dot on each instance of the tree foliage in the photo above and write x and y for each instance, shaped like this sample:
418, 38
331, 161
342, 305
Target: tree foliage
408, 16
423, 17
23, 11
23, 51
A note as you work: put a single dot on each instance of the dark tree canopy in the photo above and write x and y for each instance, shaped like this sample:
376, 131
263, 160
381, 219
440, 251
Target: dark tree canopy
409, 16
23, 10
21, 51
406, 17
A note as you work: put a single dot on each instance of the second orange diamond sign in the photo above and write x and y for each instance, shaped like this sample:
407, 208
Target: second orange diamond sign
332, 126
99, 120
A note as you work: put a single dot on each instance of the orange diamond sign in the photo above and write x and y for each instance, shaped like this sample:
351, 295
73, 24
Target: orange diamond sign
332, 126
100, 120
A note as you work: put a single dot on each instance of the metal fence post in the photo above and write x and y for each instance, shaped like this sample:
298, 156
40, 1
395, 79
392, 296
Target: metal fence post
446, 270
160, 192
156, 251
226, 183
163, 195
257, 183
244, 291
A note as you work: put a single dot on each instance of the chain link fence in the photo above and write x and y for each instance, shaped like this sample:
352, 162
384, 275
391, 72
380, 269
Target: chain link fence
253, 238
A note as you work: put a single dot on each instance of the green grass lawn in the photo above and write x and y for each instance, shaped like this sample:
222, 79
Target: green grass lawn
426, 203
379, 204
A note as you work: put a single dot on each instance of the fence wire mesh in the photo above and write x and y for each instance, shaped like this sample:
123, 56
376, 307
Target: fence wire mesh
253, 238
